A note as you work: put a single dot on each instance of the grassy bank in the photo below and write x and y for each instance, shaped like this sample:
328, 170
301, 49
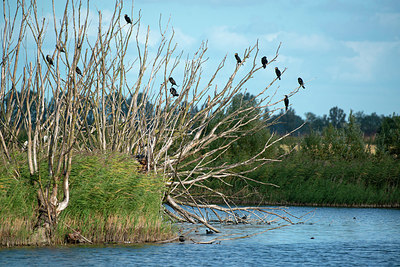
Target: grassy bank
302, 180
109, 202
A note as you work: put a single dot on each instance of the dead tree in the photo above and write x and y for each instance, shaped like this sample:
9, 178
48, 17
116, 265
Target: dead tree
100, 107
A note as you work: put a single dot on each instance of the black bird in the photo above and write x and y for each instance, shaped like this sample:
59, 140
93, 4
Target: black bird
300, 80
286, 100
128, 19
50, 60
182, 238
264, 62
209, 232
238, 58
60, 48
78, 70
141, 158
173, 91
278, 73
172, 81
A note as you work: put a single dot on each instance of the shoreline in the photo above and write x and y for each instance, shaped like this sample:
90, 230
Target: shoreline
310, 204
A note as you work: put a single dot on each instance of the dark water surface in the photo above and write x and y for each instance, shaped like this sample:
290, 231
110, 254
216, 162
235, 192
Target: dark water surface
331, 237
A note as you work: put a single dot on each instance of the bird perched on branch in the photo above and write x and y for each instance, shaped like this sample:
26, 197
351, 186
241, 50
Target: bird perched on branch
50, 60
173, 91
238, 58
60, 48
286, 100
141, 158
300, 80
78, 70
264, 62
278, 73
172, 81
182, 238
128, 19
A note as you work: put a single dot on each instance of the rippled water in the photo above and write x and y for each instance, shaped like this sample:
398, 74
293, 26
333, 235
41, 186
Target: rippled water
332, 237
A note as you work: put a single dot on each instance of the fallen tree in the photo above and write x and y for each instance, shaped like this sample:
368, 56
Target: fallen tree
72, 92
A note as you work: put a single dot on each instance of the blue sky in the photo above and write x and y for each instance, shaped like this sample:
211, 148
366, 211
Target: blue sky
347, 52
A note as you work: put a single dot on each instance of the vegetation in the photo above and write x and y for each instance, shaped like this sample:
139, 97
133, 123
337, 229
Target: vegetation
332, 167
73, 93
73, 124
110, 202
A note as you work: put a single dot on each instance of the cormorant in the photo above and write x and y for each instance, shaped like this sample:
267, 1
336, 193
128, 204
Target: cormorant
278, 73
286, 100
128, 19
173, 91
141, 158
60, 48
78, 70
300, 80
238, 58
50, 60
264, 62
172, 81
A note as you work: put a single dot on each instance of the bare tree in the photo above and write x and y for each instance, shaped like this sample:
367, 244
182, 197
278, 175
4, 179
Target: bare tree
86, 101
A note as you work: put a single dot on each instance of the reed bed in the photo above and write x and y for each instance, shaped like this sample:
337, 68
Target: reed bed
111, 202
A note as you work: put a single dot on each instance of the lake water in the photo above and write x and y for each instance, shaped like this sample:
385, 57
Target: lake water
331, 237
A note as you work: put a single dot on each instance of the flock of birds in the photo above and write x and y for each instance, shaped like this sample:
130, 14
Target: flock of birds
278, 73
172, 90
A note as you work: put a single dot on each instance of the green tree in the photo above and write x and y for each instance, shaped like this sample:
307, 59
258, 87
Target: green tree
287, 122
388, 138
337, 117
369, 124
316, 123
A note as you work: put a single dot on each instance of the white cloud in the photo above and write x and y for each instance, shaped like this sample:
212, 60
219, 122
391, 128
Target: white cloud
183, 40
271, 37
226, 40
388, 19
298, 41
369, 62
153, 38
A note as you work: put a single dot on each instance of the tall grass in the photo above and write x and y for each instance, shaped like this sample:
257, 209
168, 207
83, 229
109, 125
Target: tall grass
110, 201
304, 180
18, 204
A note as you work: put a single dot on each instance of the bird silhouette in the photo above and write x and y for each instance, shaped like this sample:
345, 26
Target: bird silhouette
172, 81
182, 238
60, 48
300, 80
50, 60
286, 100
173, 91
278, 73
78, 70
264, 62
128, 19
209, 232
238, 58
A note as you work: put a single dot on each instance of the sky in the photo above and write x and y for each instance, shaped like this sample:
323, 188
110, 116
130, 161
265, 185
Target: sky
347, 52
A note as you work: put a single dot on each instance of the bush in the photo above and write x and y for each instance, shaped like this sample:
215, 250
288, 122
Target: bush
388, 138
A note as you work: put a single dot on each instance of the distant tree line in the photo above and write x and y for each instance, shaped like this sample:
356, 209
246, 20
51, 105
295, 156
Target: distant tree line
368, 123
382, 130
